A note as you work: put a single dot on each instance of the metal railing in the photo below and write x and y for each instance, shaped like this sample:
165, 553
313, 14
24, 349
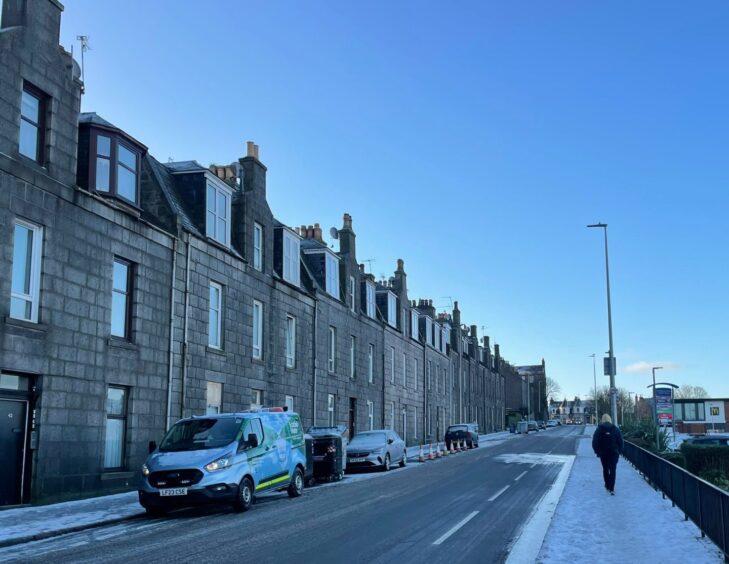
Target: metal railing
702, 502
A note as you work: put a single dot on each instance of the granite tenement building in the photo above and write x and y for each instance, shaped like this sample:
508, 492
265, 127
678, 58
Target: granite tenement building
134, 293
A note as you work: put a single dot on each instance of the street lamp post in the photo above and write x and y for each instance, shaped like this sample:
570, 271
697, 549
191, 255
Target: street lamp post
611, 361
655, 406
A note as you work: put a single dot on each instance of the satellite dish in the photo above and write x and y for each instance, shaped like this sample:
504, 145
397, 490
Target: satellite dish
334, 233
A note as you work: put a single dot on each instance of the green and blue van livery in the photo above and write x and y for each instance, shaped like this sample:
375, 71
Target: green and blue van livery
224, 458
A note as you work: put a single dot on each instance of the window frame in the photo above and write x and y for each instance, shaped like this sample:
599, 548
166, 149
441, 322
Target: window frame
292, 260
257, 393
40, 125
227, 193
332, 348
352, 357
370, 299
392, 365
391, 309
36, 258
129, 299
290, 335
352, 294
404, 370
124, 417
331, 273
115, 139
371, 364
331, 409
258, 246
414, 321
257, 333
219, 287
371, 415
289, 403
208, 405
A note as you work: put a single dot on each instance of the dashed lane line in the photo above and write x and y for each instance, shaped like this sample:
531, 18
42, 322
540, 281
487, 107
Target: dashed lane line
455, 527
498, 493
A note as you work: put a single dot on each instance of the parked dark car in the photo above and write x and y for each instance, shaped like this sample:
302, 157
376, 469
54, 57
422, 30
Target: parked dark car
462, 432
542, 424
376, 449
718, 439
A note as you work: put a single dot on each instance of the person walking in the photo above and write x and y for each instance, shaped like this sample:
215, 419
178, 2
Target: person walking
607, 442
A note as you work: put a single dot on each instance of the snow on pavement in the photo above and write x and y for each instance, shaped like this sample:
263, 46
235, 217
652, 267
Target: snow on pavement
635, 525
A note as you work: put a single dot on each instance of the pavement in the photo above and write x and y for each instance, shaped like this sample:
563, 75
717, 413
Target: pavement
635, 525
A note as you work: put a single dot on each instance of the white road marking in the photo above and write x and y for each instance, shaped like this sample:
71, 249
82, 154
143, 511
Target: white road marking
498, 493
456, 527
520, 476
529, 542
533, 465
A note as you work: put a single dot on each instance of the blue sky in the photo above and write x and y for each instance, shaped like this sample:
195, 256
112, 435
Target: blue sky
475, 141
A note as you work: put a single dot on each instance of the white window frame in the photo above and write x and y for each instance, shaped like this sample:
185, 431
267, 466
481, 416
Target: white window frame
258, 246
218, 308
371, 415
332, 349
352, 356
352, 294
370, 296
371, 363
392, 309
290, 341
212, 230
258, 397
428, 331
392, 365
291, 258
392, 415
213, 398
331, 268
33, 296
414, 317
331, 410
257, 341
404, 370
289, 403
415, 422
428, 373
405, 424
415, 372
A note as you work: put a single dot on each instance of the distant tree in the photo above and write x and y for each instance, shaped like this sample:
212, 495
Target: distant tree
691, 392
553, 387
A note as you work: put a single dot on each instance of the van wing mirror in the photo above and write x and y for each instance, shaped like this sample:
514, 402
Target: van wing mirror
390, 441
152, 446
252, 440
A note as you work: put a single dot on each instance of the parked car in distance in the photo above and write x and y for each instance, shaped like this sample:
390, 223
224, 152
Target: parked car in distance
376, 449
532, 426
718, 439
552, 423
224, 458
542, 424
462, 432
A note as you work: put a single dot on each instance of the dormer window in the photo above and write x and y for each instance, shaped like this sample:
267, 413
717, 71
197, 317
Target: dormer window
114, 166
258, 246
392, 309
352, 302
429, 331
414, 324
370, 295
291, 257
217, 218
332, 275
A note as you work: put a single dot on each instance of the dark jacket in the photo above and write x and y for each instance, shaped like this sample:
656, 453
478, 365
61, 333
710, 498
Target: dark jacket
607, 440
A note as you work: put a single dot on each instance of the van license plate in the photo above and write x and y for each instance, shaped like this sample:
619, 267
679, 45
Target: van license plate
173, 491
357, 459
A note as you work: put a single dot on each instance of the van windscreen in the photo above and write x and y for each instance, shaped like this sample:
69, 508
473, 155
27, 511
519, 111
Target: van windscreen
198, 434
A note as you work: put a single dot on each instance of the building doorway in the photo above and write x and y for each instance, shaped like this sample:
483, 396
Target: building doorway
13, 441
352, 417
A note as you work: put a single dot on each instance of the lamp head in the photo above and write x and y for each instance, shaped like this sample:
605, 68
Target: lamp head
598, 225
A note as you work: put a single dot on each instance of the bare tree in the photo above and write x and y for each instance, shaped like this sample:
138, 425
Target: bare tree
553, 388
691, 392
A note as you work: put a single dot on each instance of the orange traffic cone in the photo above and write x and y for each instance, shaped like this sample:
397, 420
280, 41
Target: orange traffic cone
453, 447
430, 451
421, 457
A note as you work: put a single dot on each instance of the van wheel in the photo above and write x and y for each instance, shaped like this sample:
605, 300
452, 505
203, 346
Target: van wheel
296, 487
244, 499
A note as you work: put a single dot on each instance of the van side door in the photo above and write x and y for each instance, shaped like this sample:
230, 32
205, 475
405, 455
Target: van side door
256, 454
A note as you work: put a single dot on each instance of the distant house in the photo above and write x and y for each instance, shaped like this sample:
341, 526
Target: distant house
701, 415
576, 410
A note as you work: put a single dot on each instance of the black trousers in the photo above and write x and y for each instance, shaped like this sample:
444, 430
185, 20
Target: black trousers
609, 464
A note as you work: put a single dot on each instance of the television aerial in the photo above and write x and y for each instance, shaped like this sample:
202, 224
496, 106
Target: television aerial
334, 233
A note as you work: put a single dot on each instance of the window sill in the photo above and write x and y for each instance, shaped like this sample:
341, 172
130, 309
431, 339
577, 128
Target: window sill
215, 350
258, 361
39, 327
118, 343
116, 475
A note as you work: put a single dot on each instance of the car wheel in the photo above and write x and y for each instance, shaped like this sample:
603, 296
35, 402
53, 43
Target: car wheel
296, 487
404, 461
244, 499
155, 511
386, 464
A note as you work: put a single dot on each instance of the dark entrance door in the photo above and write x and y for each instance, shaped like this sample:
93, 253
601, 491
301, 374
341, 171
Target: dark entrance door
12, 450
352, 417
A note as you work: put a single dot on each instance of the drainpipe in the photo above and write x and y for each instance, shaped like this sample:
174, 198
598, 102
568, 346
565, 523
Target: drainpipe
313, 360
168, 411
183, 387
426, 419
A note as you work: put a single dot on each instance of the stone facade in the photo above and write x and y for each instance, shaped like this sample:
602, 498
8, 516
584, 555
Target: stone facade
226, 308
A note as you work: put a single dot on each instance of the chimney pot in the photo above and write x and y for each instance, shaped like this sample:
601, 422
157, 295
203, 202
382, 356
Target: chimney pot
250, 149
255, 151
347, 221
400, 265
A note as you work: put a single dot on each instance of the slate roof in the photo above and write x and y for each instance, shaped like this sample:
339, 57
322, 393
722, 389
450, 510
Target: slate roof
185, 166
167, 185
95, 119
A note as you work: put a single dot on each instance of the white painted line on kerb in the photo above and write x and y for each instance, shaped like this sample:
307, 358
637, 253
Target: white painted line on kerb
498, 493
530, 539
520, 476
456, 527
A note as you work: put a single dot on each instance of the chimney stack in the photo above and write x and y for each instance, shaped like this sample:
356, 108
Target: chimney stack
254, 172
347, 238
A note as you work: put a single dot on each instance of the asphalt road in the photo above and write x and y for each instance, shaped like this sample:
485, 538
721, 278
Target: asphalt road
465, 508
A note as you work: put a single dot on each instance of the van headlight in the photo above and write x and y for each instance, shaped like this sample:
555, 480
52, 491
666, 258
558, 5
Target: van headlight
145, 470
220, 463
